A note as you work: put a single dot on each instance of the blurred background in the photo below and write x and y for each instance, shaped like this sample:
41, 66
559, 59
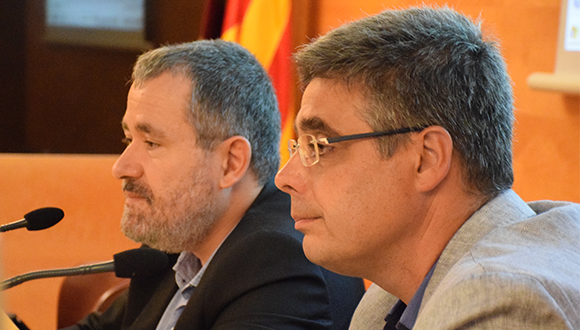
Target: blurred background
69, 98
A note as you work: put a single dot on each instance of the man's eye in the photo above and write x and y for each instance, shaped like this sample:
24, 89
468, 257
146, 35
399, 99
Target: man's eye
151, 145
323, 148
126, 141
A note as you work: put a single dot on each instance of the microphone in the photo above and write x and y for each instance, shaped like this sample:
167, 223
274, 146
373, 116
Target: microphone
142, 262
36, 220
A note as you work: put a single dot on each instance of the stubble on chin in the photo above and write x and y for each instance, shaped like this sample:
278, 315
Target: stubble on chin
173, 224
134, 225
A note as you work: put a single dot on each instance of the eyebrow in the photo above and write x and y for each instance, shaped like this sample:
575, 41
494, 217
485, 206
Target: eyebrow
316, 124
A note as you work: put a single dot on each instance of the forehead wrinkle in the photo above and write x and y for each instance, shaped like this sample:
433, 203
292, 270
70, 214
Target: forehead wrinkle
145, 128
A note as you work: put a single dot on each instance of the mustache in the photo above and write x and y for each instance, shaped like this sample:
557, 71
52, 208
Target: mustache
136, 188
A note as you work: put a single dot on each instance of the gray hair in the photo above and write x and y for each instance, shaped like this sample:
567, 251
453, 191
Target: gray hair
231, 95
421, 67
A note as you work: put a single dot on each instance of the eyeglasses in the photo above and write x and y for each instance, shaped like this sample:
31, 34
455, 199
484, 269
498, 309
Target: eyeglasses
309, 148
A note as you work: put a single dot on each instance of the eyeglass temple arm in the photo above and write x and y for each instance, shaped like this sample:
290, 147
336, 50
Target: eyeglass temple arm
371, 134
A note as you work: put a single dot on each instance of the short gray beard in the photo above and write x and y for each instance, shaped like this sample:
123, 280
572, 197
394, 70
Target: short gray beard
176, 222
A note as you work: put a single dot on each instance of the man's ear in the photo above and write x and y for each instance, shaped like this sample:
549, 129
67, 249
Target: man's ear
237, 153
435, 152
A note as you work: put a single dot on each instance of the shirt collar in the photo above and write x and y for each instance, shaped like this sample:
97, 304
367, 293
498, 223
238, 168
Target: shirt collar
188, 270
411, 312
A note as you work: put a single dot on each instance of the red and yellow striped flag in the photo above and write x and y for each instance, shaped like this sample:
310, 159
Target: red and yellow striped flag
263, 27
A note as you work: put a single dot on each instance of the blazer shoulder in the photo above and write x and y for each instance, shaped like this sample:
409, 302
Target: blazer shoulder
500, 300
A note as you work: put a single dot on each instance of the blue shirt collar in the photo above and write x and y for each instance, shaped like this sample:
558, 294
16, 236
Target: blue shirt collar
188, 270
411, 312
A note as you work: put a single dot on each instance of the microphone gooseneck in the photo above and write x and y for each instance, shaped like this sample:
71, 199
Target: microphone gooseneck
102, 267
142, 262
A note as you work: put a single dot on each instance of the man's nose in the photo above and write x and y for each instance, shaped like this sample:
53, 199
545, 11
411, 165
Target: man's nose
290, 178
127, 165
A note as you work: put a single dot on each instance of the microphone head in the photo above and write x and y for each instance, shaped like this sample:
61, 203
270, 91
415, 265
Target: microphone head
142, 262
43, 218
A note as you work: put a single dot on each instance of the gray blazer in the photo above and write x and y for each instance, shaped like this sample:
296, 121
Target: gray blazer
512, 265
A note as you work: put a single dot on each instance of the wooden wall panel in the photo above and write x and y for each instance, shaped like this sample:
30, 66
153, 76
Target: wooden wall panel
12, 80
75, 95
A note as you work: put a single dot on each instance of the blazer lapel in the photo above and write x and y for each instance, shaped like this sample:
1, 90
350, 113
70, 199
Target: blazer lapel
151, 314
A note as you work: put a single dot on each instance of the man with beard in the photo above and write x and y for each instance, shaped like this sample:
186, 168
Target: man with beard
202, 129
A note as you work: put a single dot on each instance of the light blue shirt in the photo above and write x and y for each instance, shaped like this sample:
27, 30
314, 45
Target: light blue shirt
408, 313
188, 273
412, 311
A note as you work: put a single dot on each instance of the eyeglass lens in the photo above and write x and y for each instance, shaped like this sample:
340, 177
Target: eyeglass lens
308, 149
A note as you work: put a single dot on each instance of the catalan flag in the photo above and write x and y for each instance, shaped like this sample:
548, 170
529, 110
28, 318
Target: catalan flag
263, 27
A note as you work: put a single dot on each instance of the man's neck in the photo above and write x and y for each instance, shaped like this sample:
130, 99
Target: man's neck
234, 205
441, 221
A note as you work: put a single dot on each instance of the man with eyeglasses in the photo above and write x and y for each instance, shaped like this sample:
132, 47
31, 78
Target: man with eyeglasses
404, 173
